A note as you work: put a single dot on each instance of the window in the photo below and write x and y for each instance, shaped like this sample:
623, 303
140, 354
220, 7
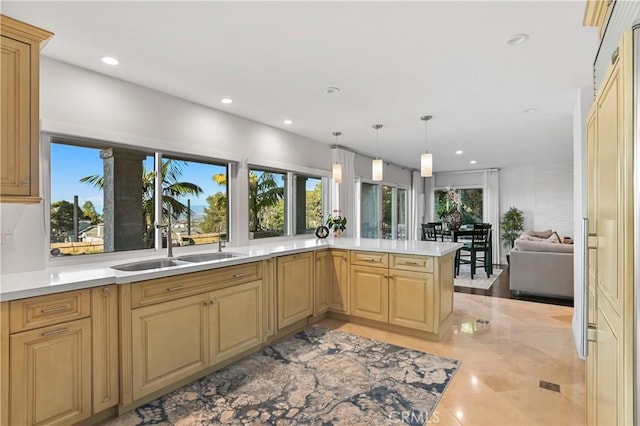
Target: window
267, 203
383, 212
471, 200
308, 205
197, 192
101, 199
115, 192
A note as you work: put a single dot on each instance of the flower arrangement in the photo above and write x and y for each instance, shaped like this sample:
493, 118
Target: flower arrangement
452, 197
336, 222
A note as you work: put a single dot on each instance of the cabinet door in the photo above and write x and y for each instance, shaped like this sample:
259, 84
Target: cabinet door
51, 374
322, 282
15, 107
236, 320
411, 300
295, 288
170, 341
370, 293
338, 281
104, 334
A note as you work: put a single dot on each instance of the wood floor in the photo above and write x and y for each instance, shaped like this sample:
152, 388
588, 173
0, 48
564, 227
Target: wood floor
500, 288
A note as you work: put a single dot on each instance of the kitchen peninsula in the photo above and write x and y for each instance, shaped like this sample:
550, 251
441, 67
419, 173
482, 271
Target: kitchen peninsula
136, 335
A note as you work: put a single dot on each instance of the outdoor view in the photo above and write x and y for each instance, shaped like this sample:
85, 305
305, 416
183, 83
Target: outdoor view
123, 218
470, 205
113, 191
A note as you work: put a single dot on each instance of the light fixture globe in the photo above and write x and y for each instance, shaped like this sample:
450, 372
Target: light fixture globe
336, 169
377, 165
426, 159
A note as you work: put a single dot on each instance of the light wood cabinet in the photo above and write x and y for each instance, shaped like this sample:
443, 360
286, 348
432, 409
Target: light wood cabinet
610, 153
170, 341
50, 378
411, 300
235, 320
370, 292
331, 281
596, 14
294, 288
104, 336
19, 109
171, 334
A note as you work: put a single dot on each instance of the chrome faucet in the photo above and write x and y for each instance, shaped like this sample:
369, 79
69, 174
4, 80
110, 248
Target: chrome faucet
168, 228
220, 245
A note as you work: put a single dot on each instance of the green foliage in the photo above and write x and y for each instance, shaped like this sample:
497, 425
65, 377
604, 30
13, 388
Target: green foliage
512, 224
264, 197
62, 220
314, 207
336, 222
89, 212
215, 214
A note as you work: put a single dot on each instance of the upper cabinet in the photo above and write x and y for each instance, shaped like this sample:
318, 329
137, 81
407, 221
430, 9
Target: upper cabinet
19, 108
596, 13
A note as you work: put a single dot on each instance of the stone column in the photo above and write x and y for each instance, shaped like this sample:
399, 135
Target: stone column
123, 218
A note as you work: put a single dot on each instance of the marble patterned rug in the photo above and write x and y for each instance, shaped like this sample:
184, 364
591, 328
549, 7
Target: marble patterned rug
479, 280
318, 376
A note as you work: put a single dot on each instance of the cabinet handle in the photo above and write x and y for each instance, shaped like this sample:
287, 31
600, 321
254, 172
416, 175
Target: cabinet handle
174, 288
106, 290
368, 259
239, 274
411, 263
54, 332
26, 182
52, 310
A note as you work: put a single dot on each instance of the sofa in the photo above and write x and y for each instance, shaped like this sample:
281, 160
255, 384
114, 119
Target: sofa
541, 264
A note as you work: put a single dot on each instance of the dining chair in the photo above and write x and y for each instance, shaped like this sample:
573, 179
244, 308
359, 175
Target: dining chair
429, 232
438, 226
480, 244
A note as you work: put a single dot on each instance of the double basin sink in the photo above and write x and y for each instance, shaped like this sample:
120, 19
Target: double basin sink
166, 262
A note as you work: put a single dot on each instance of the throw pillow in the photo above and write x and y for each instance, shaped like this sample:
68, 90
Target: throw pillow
553, 238
541, 234
567, 240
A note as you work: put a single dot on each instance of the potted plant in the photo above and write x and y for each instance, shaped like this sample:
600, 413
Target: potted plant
336, 223
512, 225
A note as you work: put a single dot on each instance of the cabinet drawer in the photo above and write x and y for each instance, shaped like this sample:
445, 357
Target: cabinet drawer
170, 288
370, 258
42, 311
407, 262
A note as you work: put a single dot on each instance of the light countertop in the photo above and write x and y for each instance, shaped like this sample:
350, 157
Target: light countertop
73, 276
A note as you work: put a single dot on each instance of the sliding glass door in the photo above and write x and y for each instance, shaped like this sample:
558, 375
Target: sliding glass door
383, 212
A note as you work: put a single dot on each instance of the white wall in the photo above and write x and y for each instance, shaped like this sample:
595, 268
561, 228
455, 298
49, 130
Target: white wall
82, 103
544, 192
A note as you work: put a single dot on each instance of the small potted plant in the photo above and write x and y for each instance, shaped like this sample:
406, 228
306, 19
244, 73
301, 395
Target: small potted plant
336, 223
512, 224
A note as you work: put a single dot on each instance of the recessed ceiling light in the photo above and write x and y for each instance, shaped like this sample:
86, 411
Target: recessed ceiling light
331, 90
288, 122
110, 60
518, 39
226, 100
530, 110
473, 161
459, 152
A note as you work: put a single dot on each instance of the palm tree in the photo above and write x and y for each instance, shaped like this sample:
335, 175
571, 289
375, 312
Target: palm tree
172, 189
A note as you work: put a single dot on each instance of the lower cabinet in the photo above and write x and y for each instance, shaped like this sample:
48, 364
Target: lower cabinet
177, 339
370, 293
411, 300
51, 374
294, 288
63, 356
332, 281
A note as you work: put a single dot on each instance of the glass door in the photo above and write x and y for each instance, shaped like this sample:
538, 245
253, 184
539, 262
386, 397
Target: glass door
383, 212
369, 207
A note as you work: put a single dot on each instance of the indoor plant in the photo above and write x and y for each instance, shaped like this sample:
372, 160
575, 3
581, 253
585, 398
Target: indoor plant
336, 223
512, 225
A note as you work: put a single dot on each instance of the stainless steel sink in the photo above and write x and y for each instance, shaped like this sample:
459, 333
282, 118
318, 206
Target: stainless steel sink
143, 265
205, 257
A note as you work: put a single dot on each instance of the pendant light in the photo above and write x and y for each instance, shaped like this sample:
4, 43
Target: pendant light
426, 159
376, 165
336, 169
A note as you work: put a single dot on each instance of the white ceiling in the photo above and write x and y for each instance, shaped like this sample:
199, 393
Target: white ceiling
393, 61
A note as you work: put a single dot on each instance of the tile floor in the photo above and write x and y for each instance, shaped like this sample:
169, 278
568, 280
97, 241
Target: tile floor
515, 355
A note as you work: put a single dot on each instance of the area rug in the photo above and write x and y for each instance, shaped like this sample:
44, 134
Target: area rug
318, 376
479, 280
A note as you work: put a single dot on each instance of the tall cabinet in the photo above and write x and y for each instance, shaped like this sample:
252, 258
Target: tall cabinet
19, 110
610, 211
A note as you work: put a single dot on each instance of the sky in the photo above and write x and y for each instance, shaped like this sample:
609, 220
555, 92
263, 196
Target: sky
71, 163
